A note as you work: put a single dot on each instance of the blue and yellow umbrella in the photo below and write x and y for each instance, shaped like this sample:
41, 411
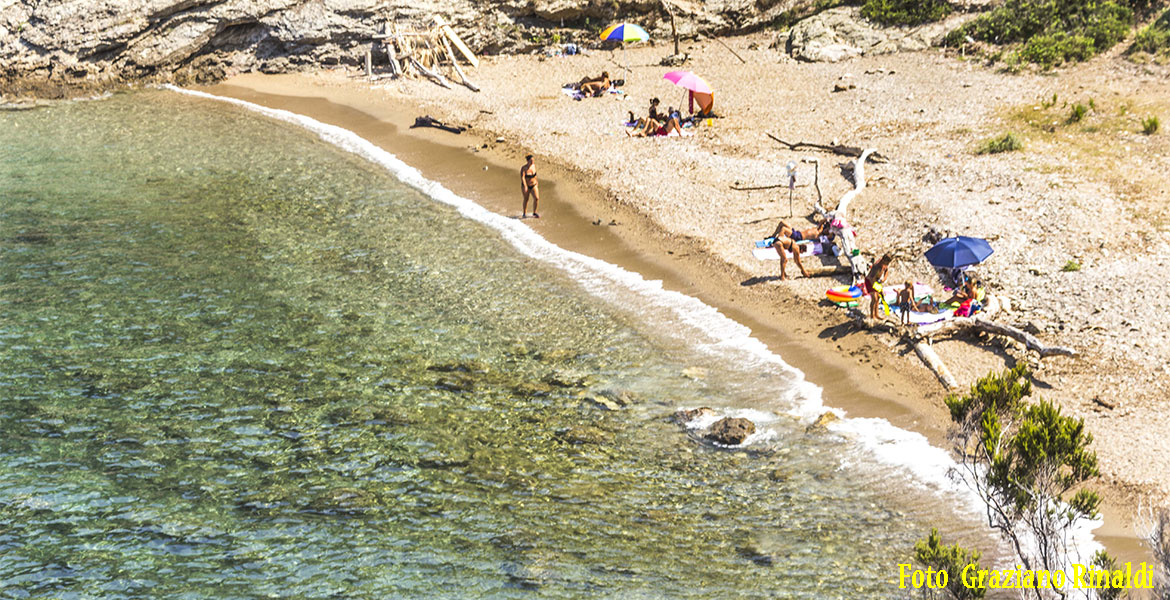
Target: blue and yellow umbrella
625, 32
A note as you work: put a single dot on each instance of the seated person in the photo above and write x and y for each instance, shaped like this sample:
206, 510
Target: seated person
655, 127
593, 87
964, 293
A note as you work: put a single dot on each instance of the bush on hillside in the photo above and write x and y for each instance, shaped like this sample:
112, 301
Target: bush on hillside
1154, 38
1052, 33
905, 12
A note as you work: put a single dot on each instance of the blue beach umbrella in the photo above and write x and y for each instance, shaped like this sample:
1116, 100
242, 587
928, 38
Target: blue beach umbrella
625, 32
958, 252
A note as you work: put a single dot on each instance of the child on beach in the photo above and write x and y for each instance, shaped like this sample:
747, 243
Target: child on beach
529, 185
906, 302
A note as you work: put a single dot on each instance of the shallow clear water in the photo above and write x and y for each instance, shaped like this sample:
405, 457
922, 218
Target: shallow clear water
236, 361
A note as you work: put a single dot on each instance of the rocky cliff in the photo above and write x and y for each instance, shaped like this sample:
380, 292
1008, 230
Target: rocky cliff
53, 47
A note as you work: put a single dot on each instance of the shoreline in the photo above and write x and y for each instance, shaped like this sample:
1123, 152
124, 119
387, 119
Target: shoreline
844, 366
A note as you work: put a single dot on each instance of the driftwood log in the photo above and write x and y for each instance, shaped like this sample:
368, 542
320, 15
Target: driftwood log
920, 338
850, 151
455, 64
844, 235
935, 364
980, 324
434, 75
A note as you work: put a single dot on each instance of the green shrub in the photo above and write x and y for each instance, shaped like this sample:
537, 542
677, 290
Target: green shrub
1052, 32
1155, 38
1151, 125
905, 12
1078, 113
1071, 266
1008, 142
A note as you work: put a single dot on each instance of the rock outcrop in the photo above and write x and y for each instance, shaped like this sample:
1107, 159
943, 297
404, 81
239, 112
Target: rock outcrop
66, 46
731, 431
840, 33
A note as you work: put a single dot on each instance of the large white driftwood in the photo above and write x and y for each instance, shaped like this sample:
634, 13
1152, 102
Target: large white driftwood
458, 71
932, 360
844, 237
439, 79
1030, 341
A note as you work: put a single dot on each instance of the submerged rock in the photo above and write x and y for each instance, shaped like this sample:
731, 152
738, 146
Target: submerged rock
731, 431
604, 403
583, 434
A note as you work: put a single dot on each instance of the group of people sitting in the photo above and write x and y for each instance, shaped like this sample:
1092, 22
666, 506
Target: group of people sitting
965, 299
656, 123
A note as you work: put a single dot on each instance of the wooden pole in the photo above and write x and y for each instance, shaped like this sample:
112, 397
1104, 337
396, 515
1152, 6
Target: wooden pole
370, 63
458, 71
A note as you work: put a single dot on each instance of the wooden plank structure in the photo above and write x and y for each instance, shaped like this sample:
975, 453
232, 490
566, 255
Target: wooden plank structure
425, 51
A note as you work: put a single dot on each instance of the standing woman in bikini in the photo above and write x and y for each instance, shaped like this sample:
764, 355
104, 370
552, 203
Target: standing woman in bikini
529, 185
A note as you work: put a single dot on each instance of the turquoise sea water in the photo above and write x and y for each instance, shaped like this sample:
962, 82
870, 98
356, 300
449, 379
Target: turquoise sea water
236, 362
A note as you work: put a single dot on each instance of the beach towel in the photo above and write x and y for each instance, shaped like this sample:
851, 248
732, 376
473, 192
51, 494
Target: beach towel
773, 252
924, 318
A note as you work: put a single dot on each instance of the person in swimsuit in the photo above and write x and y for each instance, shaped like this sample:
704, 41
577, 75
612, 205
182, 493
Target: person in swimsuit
529, 185
906, 301
812, 233
591, 87
873, 283
785, 243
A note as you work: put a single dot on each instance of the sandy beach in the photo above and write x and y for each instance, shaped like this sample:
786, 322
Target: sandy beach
1090, 193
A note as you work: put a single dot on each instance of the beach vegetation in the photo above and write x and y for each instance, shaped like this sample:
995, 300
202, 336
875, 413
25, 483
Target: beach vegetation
1154, 38
1156, 526
932, 553
1007, 142
1071, 266
1078, 113
1051, 33
1024, 459
905, 12
1151, 125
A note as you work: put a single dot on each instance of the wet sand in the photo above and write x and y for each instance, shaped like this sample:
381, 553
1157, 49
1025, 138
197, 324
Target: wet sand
858, 373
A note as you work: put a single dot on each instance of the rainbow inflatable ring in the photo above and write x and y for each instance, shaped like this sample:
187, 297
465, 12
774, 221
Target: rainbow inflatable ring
844, 294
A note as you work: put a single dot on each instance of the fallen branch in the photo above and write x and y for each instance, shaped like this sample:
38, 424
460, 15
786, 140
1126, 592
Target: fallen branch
750, 188
455, 64
827, 270
439, 79
850, 151
1030, 341
729, 49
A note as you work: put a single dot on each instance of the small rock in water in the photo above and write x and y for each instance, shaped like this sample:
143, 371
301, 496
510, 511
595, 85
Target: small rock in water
686, 415
604, 403
822, 422
731, 431
695, 372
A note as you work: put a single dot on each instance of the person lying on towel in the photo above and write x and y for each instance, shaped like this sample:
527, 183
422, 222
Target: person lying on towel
797, 235
593, 86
